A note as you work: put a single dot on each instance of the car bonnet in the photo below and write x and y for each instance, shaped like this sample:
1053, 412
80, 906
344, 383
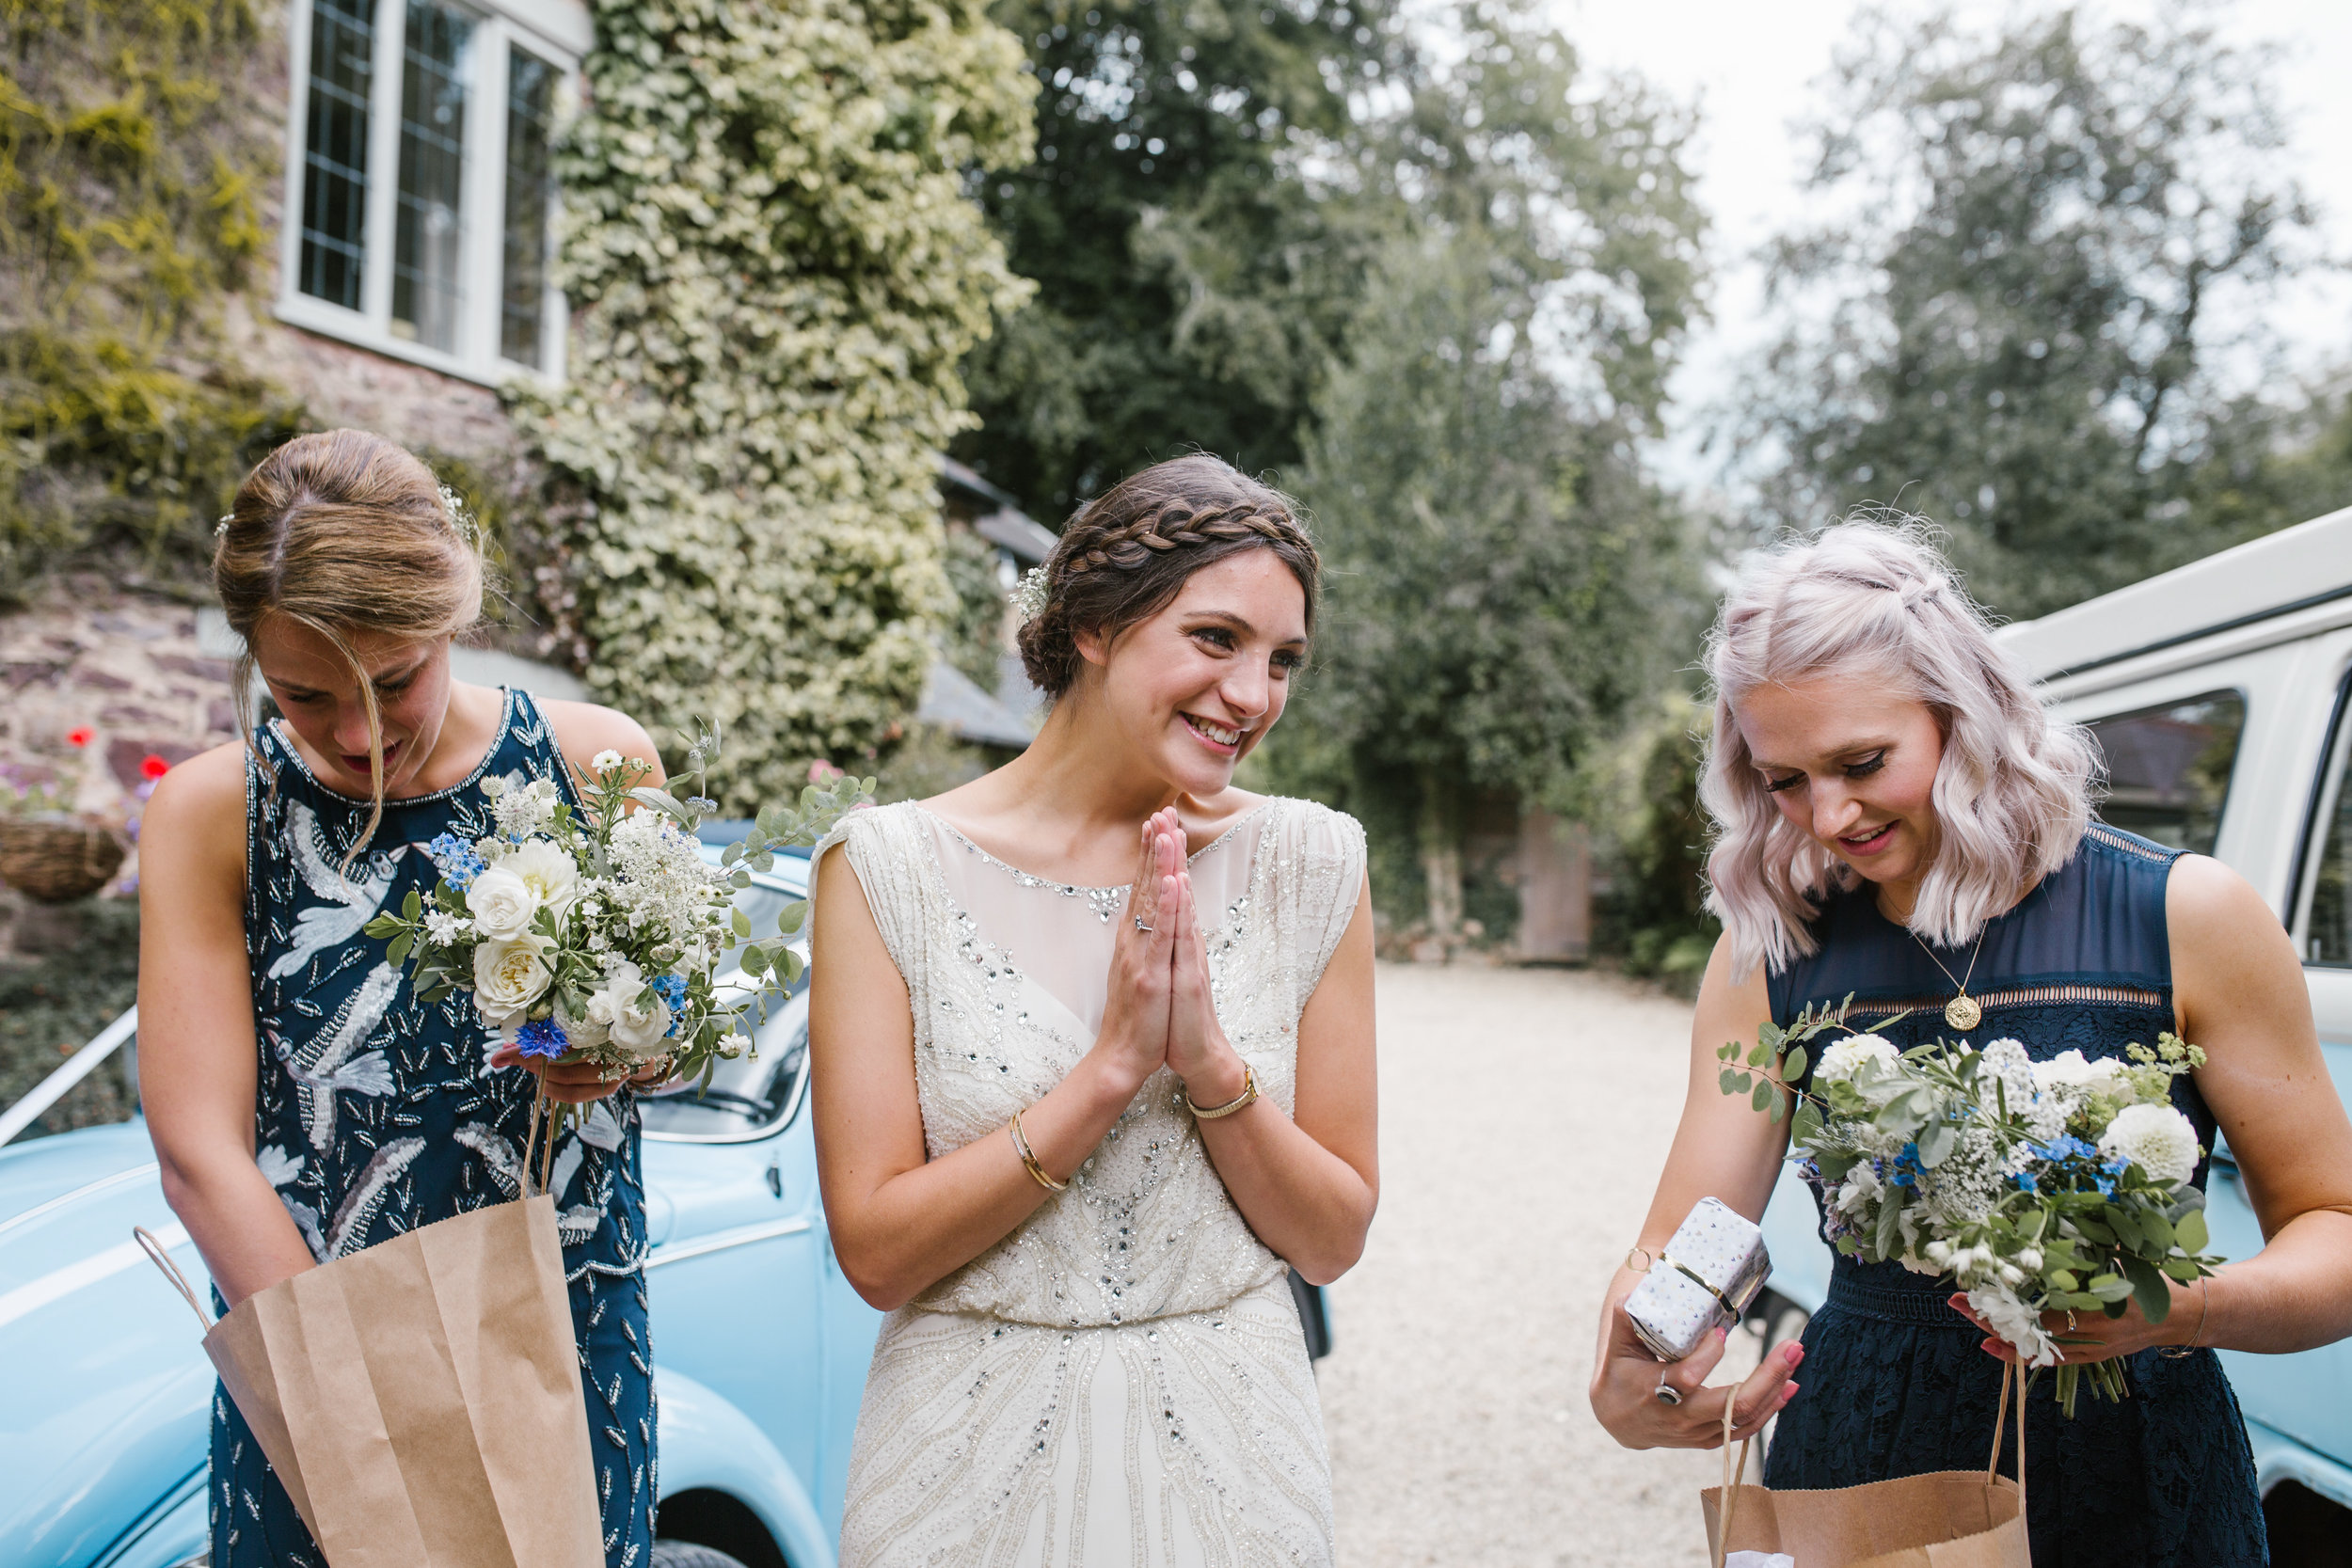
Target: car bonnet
109, 1392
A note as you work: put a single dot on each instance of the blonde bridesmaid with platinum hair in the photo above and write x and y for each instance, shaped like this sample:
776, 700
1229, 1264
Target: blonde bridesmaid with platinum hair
1897, 817
1093, 1068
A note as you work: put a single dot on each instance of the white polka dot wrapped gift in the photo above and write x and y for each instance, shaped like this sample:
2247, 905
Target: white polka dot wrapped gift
1710, 1270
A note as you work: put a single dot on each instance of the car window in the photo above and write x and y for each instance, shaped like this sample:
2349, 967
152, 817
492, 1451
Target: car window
2326, 932
2168, 768
747, 1096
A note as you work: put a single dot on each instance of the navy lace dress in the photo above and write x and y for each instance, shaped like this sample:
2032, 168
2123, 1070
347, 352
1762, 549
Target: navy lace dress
376, 1114
1894, 1381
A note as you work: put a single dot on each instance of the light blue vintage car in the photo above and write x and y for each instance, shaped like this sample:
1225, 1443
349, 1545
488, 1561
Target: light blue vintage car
760, 1344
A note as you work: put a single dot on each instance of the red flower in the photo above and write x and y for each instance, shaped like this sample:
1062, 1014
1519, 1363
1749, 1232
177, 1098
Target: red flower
82, 735
152, 767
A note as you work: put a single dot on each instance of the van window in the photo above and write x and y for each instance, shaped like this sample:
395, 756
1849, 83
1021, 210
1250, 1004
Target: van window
2328, 924
2168, 768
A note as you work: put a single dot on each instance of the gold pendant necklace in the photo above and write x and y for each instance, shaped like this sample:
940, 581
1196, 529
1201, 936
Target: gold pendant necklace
1962, 1012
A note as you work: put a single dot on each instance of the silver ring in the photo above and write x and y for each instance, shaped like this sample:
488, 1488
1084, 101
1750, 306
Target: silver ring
1140, 925
1666, 1393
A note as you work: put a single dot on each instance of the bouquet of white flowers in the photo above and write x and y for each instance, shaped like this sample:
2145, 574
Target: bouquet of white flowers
594, 936
2056, 1186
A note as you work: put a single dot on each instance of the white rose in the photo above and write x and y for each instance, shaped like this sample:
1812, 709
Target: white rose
502, 904
585, 1031
2156, 1138
551, 875
508, 976
1844, 1059
638, 1028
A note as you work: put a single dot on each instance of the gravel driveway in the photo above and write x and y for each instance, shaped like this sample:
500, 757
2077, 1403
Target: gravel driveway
1524, 1116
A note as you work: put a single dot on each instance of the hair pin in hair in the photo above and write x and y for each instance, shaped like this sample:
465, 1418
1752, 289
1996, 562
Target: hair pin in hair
460, 518
222, 526
1029, 598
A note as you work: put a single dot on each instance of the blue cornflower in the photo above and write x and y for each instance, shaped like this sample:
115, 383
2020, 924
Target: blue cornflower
455, 858
2025, 1183
542, 1038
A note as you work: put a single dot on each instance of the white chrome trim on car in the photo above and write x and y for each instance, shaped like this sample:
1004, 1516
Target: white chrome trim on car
59, 1283
75, 1068
719, 1241
137, 1173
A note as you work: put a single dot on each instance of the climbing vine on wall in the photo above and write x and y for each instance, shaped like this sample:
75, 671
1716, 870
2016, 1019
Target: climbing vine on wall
774, 268
133, 147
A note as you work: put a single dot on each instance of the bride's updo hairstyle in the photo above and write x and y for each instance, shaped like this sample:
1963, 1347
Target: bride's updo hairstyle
1123, 555
1876, 599
344, 534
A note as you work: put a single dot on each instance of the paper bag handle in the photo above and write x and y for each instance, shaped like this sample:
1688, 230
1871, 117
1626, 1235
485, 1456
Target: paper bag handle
2000, 1417
1731, 1483
162, 1259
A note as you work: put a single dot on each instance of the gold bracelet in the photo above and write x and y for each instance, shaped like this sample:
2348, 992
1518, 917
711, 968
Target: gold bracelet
1239, 1102
2205, 1302
1028, 1158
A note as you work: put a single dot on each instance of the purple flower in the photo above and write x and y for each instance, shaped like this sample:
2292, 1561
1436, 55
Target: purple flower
542, 1038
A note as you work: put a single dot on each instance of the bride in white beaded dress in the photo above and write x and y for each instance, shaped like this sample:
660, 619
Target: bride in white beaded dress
1093, 1047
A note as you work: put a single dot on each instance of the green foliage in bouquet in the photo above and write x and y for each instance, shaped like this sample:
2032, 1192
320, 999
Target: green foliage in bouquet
774, 268
2056, 1186
596, 935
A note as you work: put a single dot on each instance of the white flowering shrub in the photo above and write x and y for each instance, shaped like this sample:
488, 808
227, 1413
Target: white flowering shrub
774, 270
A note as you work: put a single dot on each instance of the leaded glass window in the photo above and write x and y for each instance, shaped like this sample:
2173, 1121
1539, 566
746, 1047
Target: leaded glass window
333, 261
428, 242
530, 186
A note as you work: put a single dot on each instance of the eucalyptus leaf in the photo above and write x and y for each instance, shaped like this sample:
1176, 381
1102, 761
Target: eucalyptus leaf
1792, 1066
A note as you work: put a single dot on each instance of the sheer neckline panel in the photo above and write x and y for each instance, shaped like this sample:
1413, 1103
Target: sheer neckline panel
1074, 889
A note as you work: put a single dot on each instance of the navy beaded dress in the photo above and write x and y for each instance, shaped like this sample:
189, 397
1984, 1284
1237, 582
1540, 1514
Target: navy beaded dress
376, 1114
1897, 1383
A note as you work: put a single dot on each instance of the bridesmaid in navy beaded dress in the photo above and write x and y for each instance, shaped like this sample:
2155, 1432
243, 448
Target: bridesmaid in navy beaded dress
304, 1102
1899, 820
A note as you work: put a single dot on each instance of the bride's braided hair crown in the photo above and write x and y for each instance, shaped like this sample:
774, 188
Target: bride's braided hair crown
1123, 555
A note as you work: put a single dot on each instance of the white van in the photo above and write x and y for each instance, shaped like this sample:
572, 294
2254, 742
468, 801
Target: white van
2219, 693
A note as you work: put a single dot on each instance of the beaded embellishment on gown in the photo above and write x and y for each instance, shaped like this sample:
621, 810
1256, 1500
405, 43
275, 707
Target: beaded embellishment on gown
1122, 1379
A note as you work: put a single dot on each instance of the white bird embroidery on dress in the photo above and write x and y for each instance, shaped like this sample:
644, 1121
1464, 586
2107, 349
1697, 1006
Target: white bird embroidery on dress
497, 1155
359, 1207
278, 1166
334, 1068
349, 905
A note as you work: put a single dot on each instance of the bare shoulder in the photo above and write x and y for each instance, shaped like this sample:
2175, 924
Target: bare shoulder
1730, 1005
2204, 901
192, 833
200, 793
583, 729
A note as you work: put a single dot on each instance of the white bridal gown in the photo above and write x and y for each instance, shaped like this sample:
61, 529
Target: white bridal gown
1123, 1379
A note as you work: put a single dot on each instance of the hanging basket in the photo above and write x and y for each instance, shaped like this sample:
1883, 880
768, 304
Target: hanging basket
57, 859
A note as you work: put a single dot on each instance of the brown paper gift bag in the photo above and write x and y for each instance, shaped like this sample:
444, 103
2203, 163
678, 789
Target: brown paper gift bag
1945, 1519
421, 1398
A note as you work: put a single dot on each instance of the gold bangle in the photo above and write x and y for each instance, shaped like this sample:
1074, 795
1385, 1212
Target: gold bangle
2205, 1302
1239, 1102
1028, 1158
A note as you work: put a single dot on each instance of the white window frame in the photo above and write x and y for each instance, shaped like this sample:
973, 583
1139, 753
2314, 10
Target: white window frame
557, 31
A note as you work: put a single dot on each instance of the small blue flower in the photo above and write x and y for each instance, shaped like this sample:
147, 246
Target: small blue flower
542, 1038
456, 860
672, 989
2025, 1183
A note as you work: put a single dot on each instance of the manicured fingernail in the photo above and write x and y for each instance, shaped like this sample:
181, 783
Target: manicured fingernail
1793, 1353
1787, 1392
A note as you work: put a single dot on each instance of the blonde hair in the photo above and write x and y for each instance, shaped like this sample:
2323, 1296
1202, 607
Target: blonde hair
1874, 596
343, 532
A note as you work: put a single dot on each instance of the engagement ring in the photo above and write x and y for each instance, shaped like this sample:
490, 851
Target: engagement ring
1141, 926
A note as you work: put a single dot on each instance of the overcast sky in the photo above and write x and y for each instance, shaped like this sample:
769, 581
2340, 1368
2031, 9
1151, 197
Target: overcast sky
1752, 66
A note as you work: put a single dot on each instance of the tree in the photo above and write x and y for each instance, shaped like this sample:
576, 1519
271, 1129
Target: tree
1500, 569
776, 271
2014, 330
1193, 276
